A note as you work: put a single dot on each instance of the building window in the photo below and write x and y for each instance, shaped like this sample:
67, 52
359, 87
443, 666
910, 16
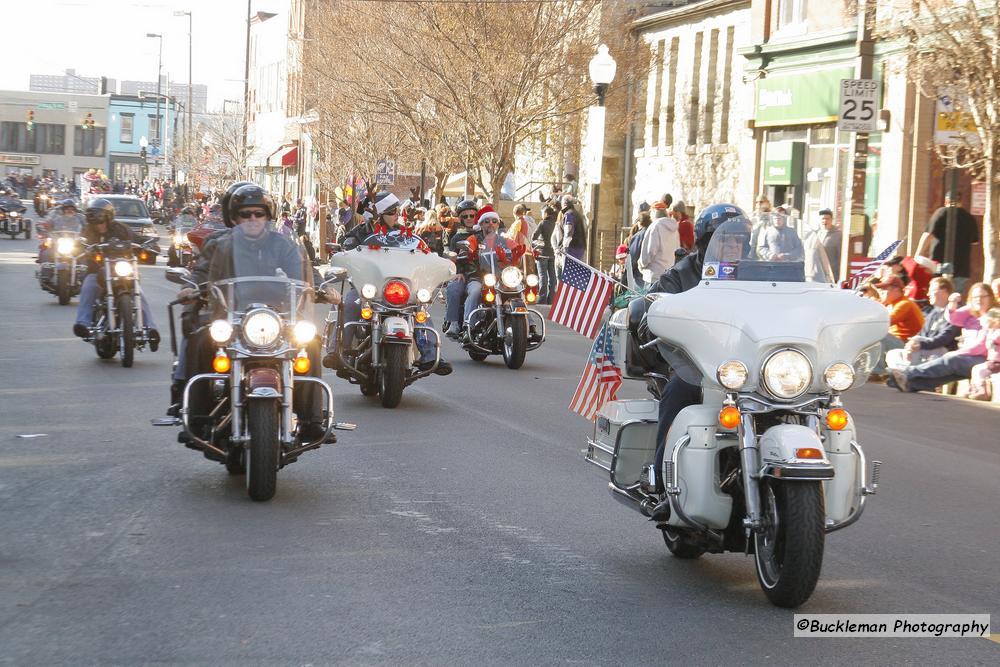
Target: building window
88, 143
711, 87
154, 130
128, 123
727, 78
695, 101
44, 138
791, 15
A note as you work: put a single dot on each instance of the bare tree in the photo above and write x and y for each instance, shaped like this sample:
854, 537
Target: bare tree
954, 49
219, 155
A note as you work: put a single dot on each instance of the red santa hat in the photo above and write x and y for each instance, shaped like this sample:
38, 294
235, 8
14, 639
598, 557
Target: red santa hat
487, 213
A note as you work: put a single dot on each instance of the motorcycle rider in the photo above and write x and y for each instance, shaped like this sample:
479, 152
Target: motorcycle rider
254, 244
387, 214
101, 227
66, 218
467, 268
684, 275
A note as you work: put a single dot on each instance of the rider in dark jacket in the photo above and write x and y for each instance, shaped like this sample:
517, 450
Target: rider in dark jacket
685, 274
101, 227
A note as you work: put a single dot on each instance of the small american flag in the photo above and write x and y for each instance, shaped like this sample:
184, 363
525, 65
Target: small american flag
601, 378
581, 297
872, 266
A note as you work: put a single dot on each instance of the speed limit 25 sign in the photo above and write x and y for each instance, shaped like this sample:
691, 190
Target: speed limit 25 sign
858, 105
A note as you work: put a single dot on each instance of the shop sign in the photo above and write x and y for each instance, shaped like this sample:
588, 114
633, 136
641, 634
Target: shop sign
50, 105
14, 158
978, 204
783, 163
800, 98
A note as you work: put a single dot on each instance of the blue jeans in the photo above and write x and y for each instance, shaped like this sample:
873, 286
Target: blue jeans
546, 279
463, 297
936, 372
89, 292
350, 311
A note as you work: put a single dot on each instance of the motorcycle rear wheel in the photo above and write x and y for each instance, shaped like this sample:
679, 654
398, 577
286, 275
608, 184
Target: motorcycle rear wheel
261, 457
125, 324
789, 551
517, 347
392, 379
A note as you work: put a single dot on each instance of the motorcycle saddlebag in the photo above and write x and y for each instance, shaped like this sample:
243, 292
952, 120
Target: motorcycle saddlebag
626, 428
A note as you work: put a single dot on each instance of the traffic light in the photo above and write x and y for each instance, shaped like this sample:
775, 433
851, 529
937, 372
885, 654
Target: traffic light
88, 122
31, 120
142, 152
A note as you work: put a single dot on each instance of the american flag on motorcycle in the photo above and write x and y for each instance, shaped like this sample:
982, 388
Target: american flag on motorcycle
601, 378
581, 297
872, 266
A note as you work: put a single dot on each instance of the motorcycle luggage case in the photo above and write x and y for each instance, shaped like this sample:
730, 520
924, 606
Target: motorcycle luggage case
627, 427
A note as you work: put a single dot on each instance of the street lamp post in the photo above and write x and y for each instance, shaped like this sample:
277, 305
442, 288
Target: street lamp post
602, 73
143, 144
188, 114
159, 74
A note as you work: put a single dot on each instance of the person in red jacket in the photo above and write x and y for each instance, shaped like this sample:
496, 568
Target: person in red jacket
684, 225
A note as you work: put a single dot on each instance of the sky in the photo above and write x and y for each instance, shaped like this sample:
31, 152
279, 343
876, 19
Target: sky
108, 38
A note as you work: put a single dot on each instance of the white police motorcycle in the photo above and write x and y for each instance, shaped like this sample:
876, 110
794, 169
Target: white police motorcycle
770, 460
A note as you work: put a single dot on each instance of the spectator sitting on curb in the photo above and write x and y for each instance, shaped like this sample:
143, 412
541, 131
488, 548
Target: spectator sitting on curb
905, 318
955, 365
982, 389
936, 337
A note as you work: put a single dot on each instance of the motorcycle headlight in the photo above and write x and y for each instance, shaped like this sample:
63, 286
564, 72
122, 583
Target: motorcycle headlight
180, 237
424, 295
303, 332
14, 214
123, 268
490, 280
531, 280
733, 375
839, 376
261, 328
369, 291
220, 331
787, 374
511, 277
64, 245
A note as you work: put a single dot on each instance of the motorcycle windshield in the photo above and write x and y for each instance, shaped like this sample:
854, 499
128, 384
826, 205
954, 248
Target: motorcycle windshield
268, 270
489, 259
770, 251
187, 221
394, 239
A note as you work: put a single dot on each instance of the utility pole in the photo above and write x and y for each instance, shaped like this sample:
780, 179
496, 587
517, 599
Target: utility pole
862, 70
246, 93
159, 75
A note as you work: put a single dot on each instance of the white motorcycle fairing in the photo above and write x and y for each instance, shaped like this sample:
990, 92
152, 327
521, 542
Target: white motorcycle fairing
378, 266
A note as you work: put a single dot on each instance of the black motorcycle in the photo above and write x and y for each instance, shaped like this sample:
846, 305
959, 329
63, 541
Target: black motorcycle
503, 323
63, 275
117, 325
12, 220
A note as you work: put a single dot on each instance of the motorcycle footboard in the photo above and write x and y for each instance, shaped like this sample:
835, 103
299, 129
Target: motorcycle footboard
535, 342
413, 377
185, 410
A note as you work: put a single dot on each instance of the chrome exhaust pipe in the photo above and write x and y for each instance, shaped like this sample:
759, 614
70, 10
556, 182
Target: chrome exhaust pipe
642, 504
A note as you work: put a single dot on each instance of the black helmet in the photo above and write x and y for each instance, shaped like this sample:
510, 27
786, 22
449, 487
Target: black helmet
465, 205
225, 200
250, 195
99, 210
710, 219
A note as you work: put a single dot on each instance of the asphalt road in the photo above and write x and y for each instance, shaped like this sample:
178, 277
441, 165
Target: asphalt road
461, 528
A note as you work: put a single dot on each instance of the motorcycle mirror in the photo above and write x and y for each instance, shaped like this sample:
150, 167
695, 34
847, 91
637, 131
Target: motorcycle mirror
179, 276
332, 248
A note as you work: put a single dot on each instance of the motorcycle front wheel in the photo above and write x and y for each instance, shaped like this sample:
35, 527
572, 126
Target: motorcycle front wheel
62, 287
516, 345
392, 379
125, 324
261, 459
789, 550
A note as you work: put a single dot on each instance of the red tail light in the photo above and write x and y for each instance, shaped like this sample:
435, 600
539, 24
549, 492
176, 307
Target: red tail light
396, 292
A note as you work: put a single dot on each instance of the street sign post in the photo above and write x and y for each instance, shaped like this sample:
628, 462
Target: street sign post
858, 105
385, 172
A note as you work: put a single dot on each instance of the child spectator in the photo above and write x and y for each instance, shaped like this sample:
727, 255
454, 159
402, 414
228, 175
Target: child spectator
982, 389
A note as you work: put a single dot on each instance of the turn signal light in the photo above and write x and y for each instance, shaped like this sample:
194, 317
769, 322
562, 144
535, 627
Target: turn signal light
47, 243
808, 453
420, 317
301, 363
530, 297
143, 256
221, 363
729, 416
836, 419
489, 297
98, 257
366, 313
